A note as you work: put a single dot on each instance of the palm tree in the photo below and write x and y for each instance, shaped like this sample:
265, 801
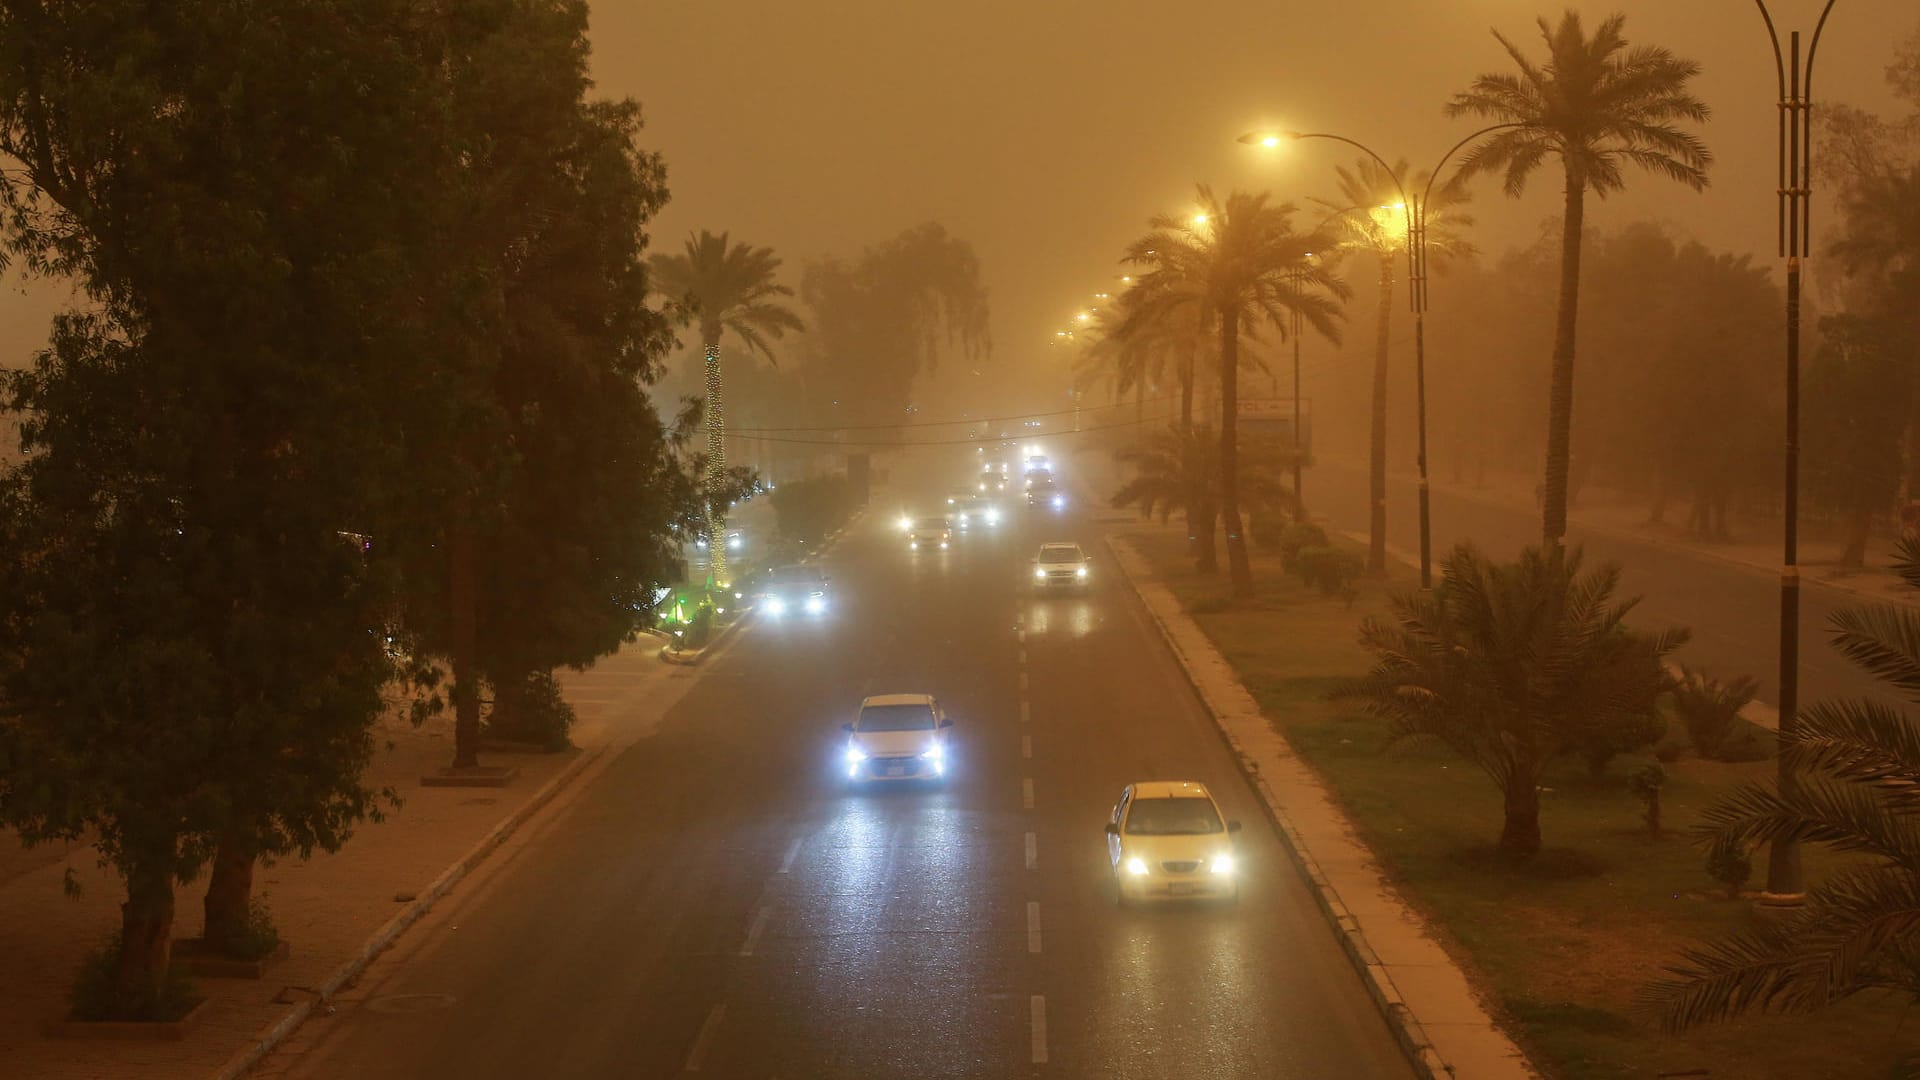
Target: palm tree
1596, 105
726, 287
1858, 762
1371, 217
1511, 666
1178, 468
1241, 263
1882, 238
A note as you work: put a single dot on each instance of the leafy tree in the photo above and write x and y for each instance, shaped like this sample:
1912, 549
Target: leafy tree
1857, 393
192, 648
726, 287
1371, 218
1511, 665
1244, 266
1595, 104
1858, 763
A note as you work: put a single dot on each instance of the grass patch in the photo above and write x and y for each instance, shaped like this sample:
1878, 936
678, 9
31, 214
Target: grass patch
1559, 945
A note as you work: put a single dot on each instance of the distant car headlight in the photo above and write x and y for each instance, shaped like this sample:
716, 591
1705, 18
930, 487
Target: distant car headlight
983, 487
776, 606
733, 542
1081, 572
1039, 573
905, 523
1059, 501
1223, 864
943, 545
993, 517
855, 755
949, 502
816, 604
1137, 867
914, 544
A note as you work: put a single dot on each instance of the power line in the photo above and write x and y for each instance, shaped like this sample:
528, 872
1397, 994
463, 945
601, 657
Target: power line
944, 442
927, 423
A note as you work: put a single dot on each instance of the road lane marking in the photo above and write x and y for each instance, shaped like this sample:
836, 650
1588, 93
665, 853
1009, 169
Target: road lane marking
1023, 657
793, 853
1026, 793
1020, 636
1026, 712
1037, 1020
1033, 852
1023, 682
754, 931
1026, 746
698, 1055
1033, 926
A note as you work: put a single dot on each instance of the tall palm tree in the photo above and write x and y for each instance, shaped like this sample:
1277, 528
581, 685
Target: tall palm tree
1859, 790
1596, 105
1239, 262
726, 287
1882, 238
1370, 218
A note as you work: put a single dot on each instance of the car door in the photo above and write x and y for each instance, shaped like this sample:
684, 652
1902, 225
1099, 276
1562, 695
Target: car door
1113, 834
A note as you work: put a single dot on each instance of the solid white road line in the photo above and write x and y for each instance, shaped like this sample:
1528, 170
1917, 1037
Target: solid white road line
1026, 793
1033, 852
793, 853
1037, 1020
698, 1055
1033, 926
754, 931
1026, 712
1026, 746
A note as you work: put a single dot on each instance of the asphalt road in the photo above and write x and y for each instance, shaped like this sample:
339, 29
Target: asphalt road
716, 904
1733, 611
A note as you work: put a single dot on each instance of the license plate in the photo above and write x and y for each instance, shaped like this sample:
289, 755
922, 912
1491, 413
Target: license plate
893, 770
1181, 888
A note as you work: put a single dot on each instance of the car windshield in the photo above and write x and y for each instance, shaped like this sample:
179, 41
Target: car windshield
1060, 553
930, 524
1173, 817
895, 718
796, 575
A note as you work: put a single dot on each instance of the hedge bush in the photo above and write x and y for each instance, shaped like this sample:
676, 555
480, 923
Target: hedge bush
532, 711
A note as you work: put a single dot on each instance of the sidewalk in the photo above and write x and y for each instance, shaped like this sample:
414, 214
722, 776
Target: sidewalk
1422, 993
327, 908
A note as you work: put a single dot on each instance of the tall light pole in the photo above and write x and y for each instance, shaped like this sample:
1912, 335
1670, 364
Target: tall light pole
1786, 885
1416, 217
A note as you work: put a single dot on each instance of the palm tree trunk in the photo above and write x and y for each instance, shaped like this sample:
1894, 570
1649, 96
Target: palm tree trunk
1377, 446
1560, 397
1199, 532
1520, 835
715, 417
1239, 570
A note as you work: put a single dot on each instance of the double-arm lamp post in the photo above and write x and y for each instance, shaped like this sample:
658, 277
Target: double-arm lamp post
1786, 886
1416, 218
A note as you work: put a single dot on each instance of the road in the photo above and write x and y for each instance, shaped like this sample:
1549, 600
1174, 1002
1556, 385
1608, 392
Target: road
716, 904
1733, 611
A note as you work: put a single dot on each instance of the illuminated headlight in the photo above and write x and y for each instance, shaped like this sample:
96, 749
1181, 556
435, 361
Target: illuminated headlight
993, 517
733, 542
816, 604
943, 545
1059, 501
905, 523
936, 752
949, 502
983, 487
1080, 573
776, 606
1039, 573
855, 755
700, 543
1223, 864
914, 544
1137, 867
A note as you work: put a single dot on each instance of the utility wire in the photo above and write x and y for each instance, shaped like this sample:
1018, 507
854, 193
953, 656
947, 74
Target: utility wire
945, 442
930, 423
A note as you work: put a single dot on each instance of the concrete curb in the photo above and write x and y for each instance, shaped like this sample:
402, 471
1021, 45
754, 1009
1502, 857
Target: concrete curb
1407, 1029
382, 939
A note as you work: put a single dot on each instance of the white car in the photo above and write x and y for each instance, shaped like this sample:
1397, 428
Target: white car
897, 737
1061, 563
929, 533
1167, 839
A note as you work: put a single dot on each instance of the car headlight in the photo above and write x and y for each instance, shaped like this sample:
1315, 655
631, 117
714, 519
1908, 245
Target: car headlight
855, 755
936, 752
1039, 573
1081, 572
1223, 864
905, 523
943, 545
816, 604
1137, 867
733, 542
914, 544
1058, 502
776, 606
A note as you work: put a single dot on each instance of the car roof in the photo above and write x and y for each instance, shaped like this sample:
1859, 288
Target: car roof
1060, 543
897, 699
1170, 789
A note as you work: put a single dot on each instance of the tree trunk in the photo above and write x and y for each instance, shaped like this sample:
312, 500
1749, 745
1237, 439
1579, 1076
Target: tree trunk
1377, 452
1560, 397
229, 896
464, 593
1520, 836
146, 930
714, 415
1859, 527
1202, 553
1200, 537
1239, 570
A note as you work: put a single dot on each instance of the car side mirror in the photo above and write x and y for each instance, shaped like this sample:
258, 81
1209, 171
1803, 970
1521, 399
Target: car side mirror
1113, 829
846, 727
1233, 826
946, 721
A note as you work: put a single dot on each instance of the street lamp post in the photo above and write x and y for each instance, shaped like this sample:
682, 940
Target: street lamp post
1786, 885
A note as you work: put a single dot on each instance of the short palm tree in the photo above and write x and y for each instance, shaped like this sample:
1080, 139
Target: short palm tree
1242, 264
1858, 767
1511, 666
1370, 217
1596, 105
1178, 468
724, 287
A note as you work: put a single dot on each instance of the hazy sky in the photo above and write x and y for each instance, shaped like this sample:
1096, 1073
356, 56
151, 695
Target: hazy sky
1046, 132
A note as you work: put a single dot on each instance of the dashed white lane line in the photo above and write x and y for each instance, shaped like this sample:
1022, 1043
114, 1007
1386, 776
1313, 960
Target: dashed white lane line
1033, 926
793, 853
1026, 793
1020, 636
1033, 852
753, 932
1037, 1020
1026, 712
1023, 656
698, 1054
1026, 746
